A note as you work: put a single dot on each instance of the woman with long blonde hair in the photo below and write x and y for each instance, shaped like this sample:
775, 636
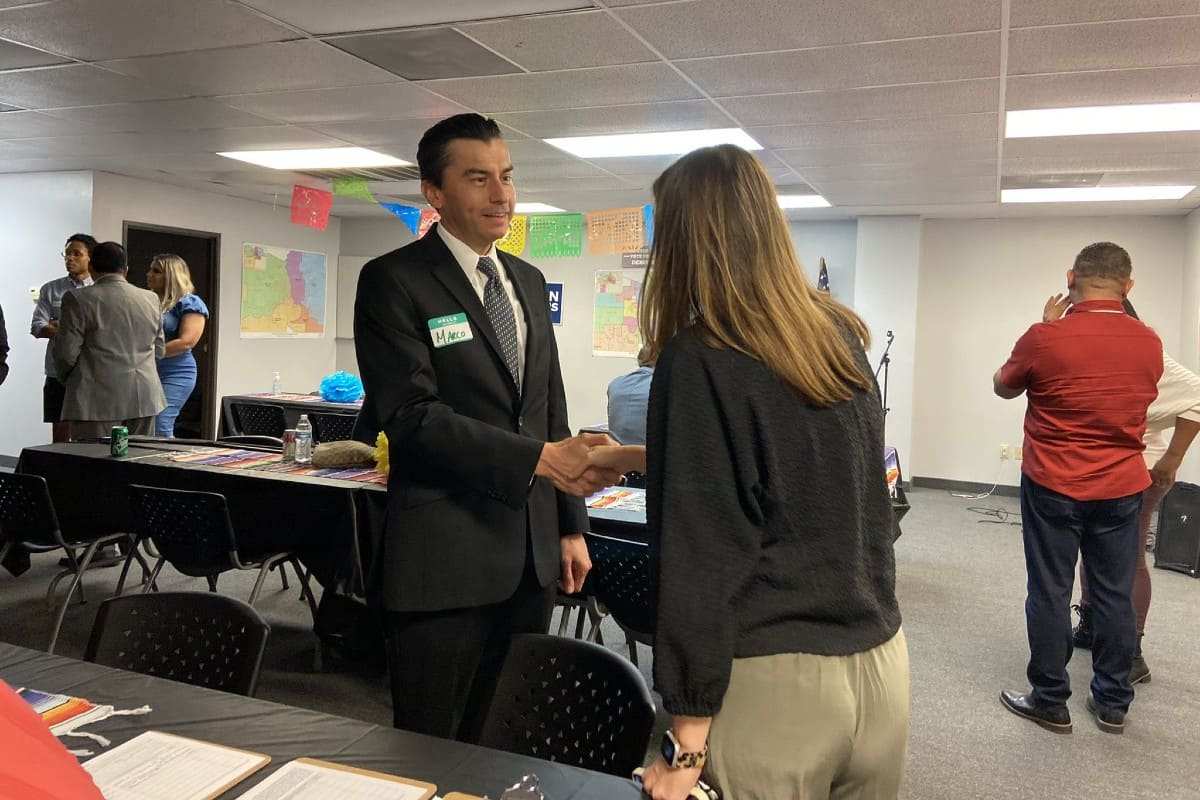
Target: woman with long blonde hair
184, 318
778, 649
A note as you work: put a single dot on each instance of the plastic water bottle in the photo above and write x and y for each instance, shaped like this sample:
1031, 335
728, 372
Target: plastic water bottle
304, 440
276, 385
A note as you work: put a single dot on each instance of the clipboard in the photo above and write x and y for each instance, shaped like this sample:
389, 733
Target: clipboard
254, 761
461, 796
425, 790
429, 789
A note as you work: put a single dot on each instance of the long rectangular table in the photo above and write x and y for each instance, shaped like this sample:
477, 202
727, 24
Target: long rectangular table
270, 511
285, 732
293, 406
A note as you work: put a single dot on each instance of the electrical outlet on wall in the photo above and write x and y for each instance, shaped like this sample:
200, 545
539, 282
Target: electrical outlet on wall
1004, 452
1018, 453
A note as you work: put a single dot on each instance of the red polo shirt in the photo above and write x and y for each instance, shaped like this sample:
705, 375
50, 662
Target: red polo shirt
1089, 378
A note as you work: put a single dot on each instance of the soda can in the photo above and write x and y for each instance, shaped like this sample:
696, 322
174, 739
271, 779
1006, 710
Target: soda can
289, 444
119, 447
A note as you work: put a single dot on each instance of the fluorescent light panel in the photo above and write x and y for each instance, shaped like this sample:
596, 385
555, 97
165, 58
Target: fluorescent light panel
1093, 194
802, 201
535, 208
1091, 120
666, 143
319, 158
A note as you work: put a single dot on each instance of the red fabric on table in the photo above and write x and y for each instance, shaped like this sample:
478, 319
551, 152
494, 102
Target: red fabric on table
1088, 379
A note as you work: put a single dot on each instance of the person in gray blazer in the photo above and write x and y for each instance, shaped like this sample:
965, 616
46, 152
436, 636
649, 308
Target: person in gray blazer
108, 342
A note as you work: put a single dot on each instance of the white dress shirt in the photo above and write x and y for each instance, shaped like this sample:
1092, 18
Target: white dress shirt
1178, 396
468, 259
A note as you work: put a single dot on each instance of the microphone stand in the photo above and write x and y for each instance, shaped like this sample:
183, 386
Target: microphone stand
885, 361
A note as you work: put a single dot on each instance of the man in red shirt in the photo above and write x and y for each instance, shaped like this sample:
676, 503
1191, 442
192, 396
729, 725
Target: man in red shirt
1088, 379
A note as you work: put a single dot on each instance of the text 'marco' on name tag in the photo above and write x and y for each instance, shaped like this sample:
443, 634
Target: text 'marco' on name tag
450, 329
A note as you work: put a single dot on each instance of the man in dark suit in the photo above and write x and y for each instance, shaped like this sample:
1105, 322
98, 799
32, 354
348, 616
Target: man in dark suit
461, 370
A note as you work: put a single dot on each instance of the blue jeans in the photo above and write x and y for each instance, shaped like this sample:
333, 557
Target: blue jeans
178, 378
1056, 528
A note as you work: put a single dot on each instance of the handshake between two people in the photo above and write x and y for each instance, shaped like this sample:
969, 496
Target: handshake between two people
585, 464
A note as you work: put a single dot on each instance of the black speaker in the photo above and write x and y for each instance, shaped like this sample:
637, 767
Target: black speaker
1177, 546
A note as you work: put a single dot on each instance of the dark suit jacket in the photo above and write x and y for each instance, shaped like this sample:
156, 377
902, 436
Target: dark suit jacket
463, 441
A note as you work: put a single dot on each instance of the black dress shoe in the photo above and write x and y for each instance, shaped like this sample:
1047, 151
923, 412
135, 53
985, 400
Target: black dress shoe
1052, 718
1109, 720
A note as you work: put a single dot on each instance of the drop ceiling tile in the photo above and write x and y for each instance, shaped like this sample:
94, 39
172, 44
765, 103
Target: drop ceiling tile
1057, 12
572, 169
877, 193
599, 199
596, 86
640, 165
912, 61
527, 150
93, 30
340, 16
1100, 162
28, 124
1178, 177
915, 153
673, 116
158, 115
380, 101
425, 53
900, 172
1125, 143
403, 133
914, 100
210, 141
257, 68
15, 56
561, 41
1161, 85
951, 128
718, 27
1110, 45
75, 85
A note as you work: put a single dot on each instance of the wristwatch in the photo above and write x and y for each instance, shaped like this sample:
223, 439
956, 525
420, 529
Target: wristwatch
675, 756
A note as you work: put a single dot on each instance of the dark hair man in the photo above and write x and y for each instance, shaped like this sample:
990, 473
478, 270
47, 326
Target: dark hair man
461, 371
106, 350
1088, 379
77, 257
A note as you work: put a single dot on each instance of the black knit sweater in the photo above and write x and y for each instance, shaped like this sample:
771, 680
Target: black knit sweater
770, 520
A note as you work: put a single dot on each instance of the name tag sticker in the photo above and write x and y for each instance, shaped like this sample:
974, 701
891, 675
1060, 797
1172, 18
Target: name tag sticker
450, 329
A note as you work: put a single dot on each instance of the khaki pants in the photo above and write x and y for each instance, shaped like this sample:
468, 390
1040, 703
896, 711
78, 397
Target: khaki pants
96, 429
806, 727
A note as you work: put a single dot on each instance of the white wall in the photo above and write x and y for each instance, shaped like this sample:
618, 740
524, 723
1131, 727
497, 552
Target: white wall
836, 242
243, 365
1189, 328
37, 214
886, 278
982, 284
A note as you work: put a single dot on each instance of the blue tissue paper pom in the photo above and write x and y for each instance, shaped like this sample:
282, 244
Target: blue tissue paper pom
341, 387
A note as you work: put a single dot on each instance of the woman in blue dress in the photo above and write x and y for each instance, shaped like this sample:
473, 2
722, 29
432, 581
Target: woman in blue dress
184, 316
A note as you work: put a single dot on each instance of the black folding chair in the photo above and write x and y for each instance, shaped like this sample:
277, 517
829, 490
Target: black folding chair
573, 702
207, 640
192, 531
622, 583
28, 520
330, 427
257, 419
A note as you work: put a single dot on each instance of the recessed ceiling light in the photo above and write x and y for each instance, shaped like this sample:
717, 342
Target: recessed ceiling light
802, 201
535, 208
666, 143
1090, 120
319, 158
1084, 194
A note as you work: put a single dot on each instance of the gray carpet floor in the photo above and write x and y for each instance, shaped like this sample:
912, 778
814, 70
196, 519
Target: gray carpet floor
961, 584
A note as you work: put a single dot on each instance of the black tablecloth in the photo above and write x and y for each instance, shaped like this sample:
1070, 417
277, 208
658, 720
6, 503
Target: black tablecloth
310, 516
284, 732
292, 409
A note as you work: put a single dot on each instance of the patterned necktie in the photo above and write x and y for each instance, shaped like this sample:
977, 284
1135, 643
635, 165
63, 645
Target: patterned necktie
500, 313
